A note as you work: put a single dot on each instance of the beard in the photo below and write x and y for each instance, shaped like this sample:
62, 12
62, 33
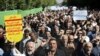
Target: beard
30, 52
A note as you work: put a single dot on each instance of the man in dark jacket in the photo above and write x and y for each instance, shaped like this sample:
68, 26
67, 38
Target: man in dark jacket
96, 47
2, 40
87, 50
52, 51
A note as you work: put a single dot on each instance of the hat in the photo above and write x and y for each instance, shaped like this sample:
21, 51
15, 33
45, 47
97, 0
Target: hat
87, 39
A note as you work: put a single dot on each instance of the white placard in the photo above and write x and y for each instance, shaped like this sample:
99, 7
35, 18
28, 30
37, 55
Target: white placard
58, 8
80, 15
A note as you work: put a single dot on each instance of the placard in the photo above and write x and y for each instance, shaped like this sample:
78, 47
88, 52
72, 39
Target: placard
14, 28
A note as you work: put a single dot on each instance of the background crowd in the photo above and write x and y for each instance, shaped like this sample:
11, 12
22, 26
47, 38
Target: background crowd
55, 33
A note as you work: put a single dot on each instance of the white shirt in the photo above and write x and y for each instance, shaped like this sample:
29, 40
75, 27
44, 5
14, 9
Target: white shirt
1, 52
25, 40
15, 52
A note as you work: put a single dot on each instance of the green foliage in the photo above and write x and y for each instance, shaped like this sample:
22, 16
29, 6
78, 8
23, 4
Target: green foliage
24, 4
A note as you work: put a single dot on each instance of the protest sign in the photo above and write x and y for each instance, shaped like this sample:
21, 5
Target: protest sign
80, 15
13, 24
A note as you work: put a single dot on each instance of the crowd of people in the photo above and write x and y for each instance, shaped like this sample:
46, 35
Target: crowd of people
55, 33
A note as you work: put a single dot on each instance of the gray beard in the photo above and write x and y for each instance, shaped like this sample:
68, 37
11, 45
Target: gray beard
30, 52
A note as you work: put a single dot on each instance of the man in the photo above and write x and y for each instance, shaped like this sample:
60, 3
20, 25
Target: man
70, 46
52, 51
25, 39
64, 41
87, 50
55, 32
2, 40
61, 33
35, 39
30, 48
12, 50
96, 48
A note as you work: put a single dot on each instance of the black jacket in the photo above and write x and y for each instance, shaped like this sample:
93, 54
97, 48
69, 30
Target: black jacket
82, 53
44, 52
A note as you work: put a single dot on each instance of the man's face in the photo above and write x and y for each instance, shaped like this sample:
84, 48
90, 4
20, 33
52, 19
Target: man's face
97, 40
53, 45
69, 24
30, 47
1, 32
56, 30
48, 34
80, 33
27, 34
61, 32
88, 48
33, 36
71, 38
65, 39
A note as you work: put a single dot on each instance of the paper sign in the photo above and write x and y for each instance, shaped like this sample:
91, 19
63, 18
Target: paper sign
58, 8
80, 15
13, 25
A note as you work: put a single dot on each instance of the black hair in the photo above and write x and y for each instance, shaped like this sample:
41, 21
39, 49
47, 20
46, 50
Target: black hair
26, 31
35, 33
1, 27
28, 42
52, 40
57, 41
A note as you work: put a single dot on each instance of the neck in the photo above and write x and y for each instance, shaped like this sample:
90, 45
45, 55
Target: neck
65, 44
88, 53
53, 51
34, 40
70, 42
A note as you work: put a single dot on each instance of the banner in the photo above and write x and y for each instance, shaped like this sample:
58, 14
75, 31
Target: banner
13, 24
80, 15
4, 13
31, 11
22, 12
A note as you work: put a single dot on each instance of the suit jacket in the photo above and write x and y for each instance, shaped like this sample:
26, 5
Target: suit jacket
44, 52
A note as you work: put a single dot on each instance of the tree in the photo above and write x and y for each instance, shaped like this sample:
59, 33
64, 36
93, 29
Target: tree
24, 4
48, 2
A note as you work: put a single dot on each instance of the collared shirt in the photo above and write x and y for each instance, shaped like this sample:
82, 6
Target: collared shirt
23, 43
25, 40
37, 43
